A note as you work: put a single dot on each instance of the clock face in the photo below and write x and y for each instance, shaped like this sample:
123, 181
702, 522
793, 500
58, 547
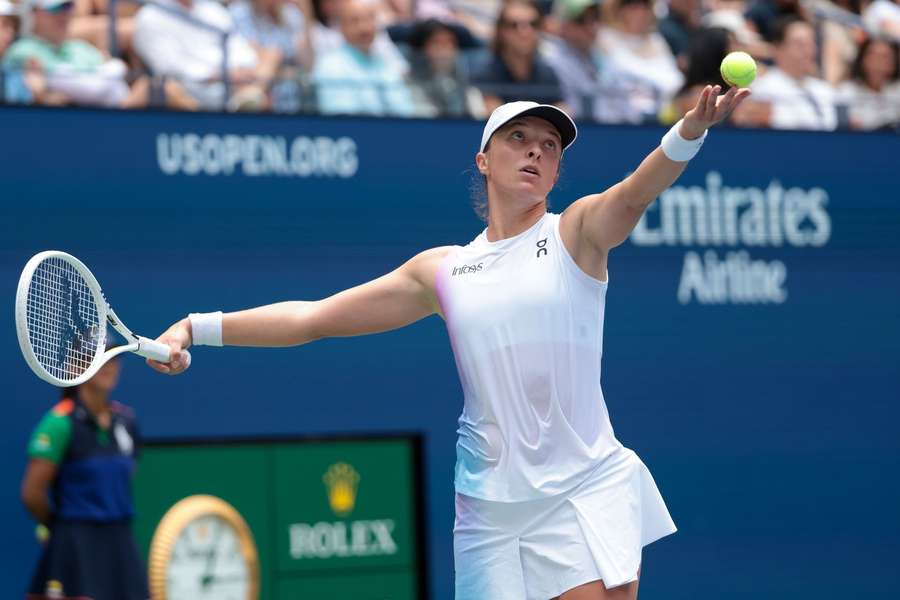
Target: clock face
207, 562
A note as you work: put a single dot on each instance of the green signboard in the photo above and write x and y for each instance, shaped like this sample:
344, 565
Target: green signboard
328, 518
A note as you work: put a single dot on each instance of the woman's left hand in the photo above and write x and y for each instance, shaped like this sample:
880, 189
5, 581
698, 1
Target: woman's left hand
710, 109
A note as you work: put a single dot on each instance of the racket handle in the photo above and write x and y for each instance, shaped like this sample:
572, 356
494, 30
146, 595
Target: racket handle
152, 349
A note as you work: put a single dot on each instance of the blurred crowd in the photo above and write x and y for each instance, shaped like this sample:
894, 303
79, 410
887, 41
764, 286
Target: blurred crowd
823, 64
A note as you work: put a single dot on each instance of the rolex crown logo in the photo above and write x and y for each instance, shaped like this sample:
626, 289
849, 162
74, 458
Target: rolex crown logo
54, 589
341, 480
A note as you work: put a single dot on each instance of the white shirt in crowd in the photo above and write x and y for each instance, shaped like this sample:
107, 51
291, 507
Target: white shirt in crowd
172, 46
805, 104
643, 58
882, 16
261, 29
869, 109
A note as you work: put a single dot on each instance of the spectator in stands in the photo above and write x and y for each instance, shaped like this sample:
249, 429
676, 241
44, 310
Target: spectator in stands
883, 17
704, 55
283, 26
14, 88
729, 14
679, 25
327, 29
797, 98
90, 22
433, 9
280, 25
439, 87
839, 39
514, 70
573, 56
327, 34
393, 11
872, 96
479, 16
764, 14
633, 46
183, 39
352, 78
591, 89
76, 71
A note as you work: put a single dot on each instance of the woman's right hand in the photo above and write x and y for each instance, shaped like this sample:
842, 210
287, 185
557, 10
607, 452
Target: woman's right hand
177, 338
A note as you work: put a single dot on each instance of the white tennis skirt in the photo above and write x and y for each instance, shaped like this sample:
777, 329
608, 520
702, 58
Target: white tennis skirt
538, 549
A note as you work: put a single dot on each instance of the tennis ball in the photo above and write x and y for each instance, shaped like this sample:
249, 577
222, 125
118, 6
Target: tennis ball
738, 68
42, 533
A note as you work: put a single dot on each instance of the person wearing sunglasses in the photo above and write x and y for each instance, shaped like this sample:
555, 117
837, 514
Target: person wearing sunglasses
514, 70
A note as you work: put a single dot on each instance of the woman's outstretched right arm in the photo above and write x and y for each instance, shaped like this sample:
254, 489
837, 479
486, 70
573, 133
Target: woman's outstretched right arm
403, 296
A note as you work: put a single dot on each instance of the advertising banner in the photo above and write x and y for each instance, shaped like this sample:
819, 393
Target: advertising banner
751, 344
330, 518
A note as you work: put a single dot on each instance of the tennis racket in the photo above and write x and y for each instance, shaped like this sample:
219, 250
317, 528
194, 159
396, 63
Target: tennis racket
61, 318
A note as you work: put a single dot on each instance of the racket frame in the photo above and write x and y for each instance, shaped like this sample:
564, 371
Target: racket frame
105, 314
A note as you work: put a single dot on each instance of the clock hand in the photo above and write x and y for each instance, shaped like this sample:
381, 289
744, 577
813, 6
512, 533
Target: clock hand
211, 557
226, 578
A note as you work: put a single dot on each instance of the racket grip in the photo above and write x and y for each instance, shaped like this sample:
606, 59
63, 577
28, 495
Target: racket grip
153, 350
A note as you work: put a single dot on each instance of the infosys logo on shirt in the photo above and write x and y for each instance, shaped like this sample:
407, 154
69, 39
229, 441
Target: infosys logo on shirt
467, 269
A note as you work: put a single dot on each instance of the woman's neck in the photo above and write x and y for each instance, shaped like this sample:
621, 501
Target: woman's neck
506, 220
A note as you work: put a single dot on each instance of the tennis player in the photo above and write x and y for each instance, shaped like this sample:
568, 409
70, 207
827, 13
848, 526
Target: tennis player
549, 504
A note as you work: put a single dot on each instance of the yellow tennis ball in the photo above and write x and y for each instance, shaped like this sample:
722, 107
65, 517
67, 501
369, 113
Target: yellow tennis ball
738, 68
42, 533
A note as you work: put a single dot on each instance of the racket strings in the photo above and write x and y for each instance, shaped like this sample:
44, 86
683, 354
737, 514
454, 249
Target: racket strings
63, 321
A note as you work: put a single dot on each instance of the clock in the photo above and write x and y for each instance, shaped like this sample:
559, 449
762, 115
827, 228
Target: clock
203, 550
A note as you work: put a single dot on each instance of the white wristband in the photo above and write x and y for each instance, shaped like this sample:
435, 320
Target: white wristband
206, 328
679, 149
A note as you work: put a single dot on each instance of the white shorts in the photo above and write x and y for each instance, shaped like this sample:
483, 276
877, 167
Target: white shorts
538, 549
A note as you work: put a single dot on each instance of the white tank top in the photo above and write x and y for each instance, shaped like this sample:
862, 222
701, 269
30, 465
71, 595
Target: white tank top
526, 325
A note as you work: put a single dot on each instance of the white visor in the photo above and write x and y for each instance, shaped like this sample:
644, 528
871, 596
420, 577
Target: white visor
507, 112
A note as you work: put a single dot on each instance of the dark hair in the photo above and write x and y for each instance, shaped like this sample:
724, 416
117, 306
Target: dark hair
478, 195
622, 3
68, 393
423, 31
856, 70
496, 44
705, 52
478, 191
853, 6
782, 24
317, 11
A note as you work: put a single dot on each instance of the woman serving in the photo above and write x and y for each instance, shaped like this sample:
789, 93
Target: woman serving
549, 504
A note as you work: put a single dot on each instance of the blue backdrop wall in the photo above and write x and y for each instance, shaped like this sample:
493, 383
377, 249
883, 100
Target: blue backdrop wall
751, 342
